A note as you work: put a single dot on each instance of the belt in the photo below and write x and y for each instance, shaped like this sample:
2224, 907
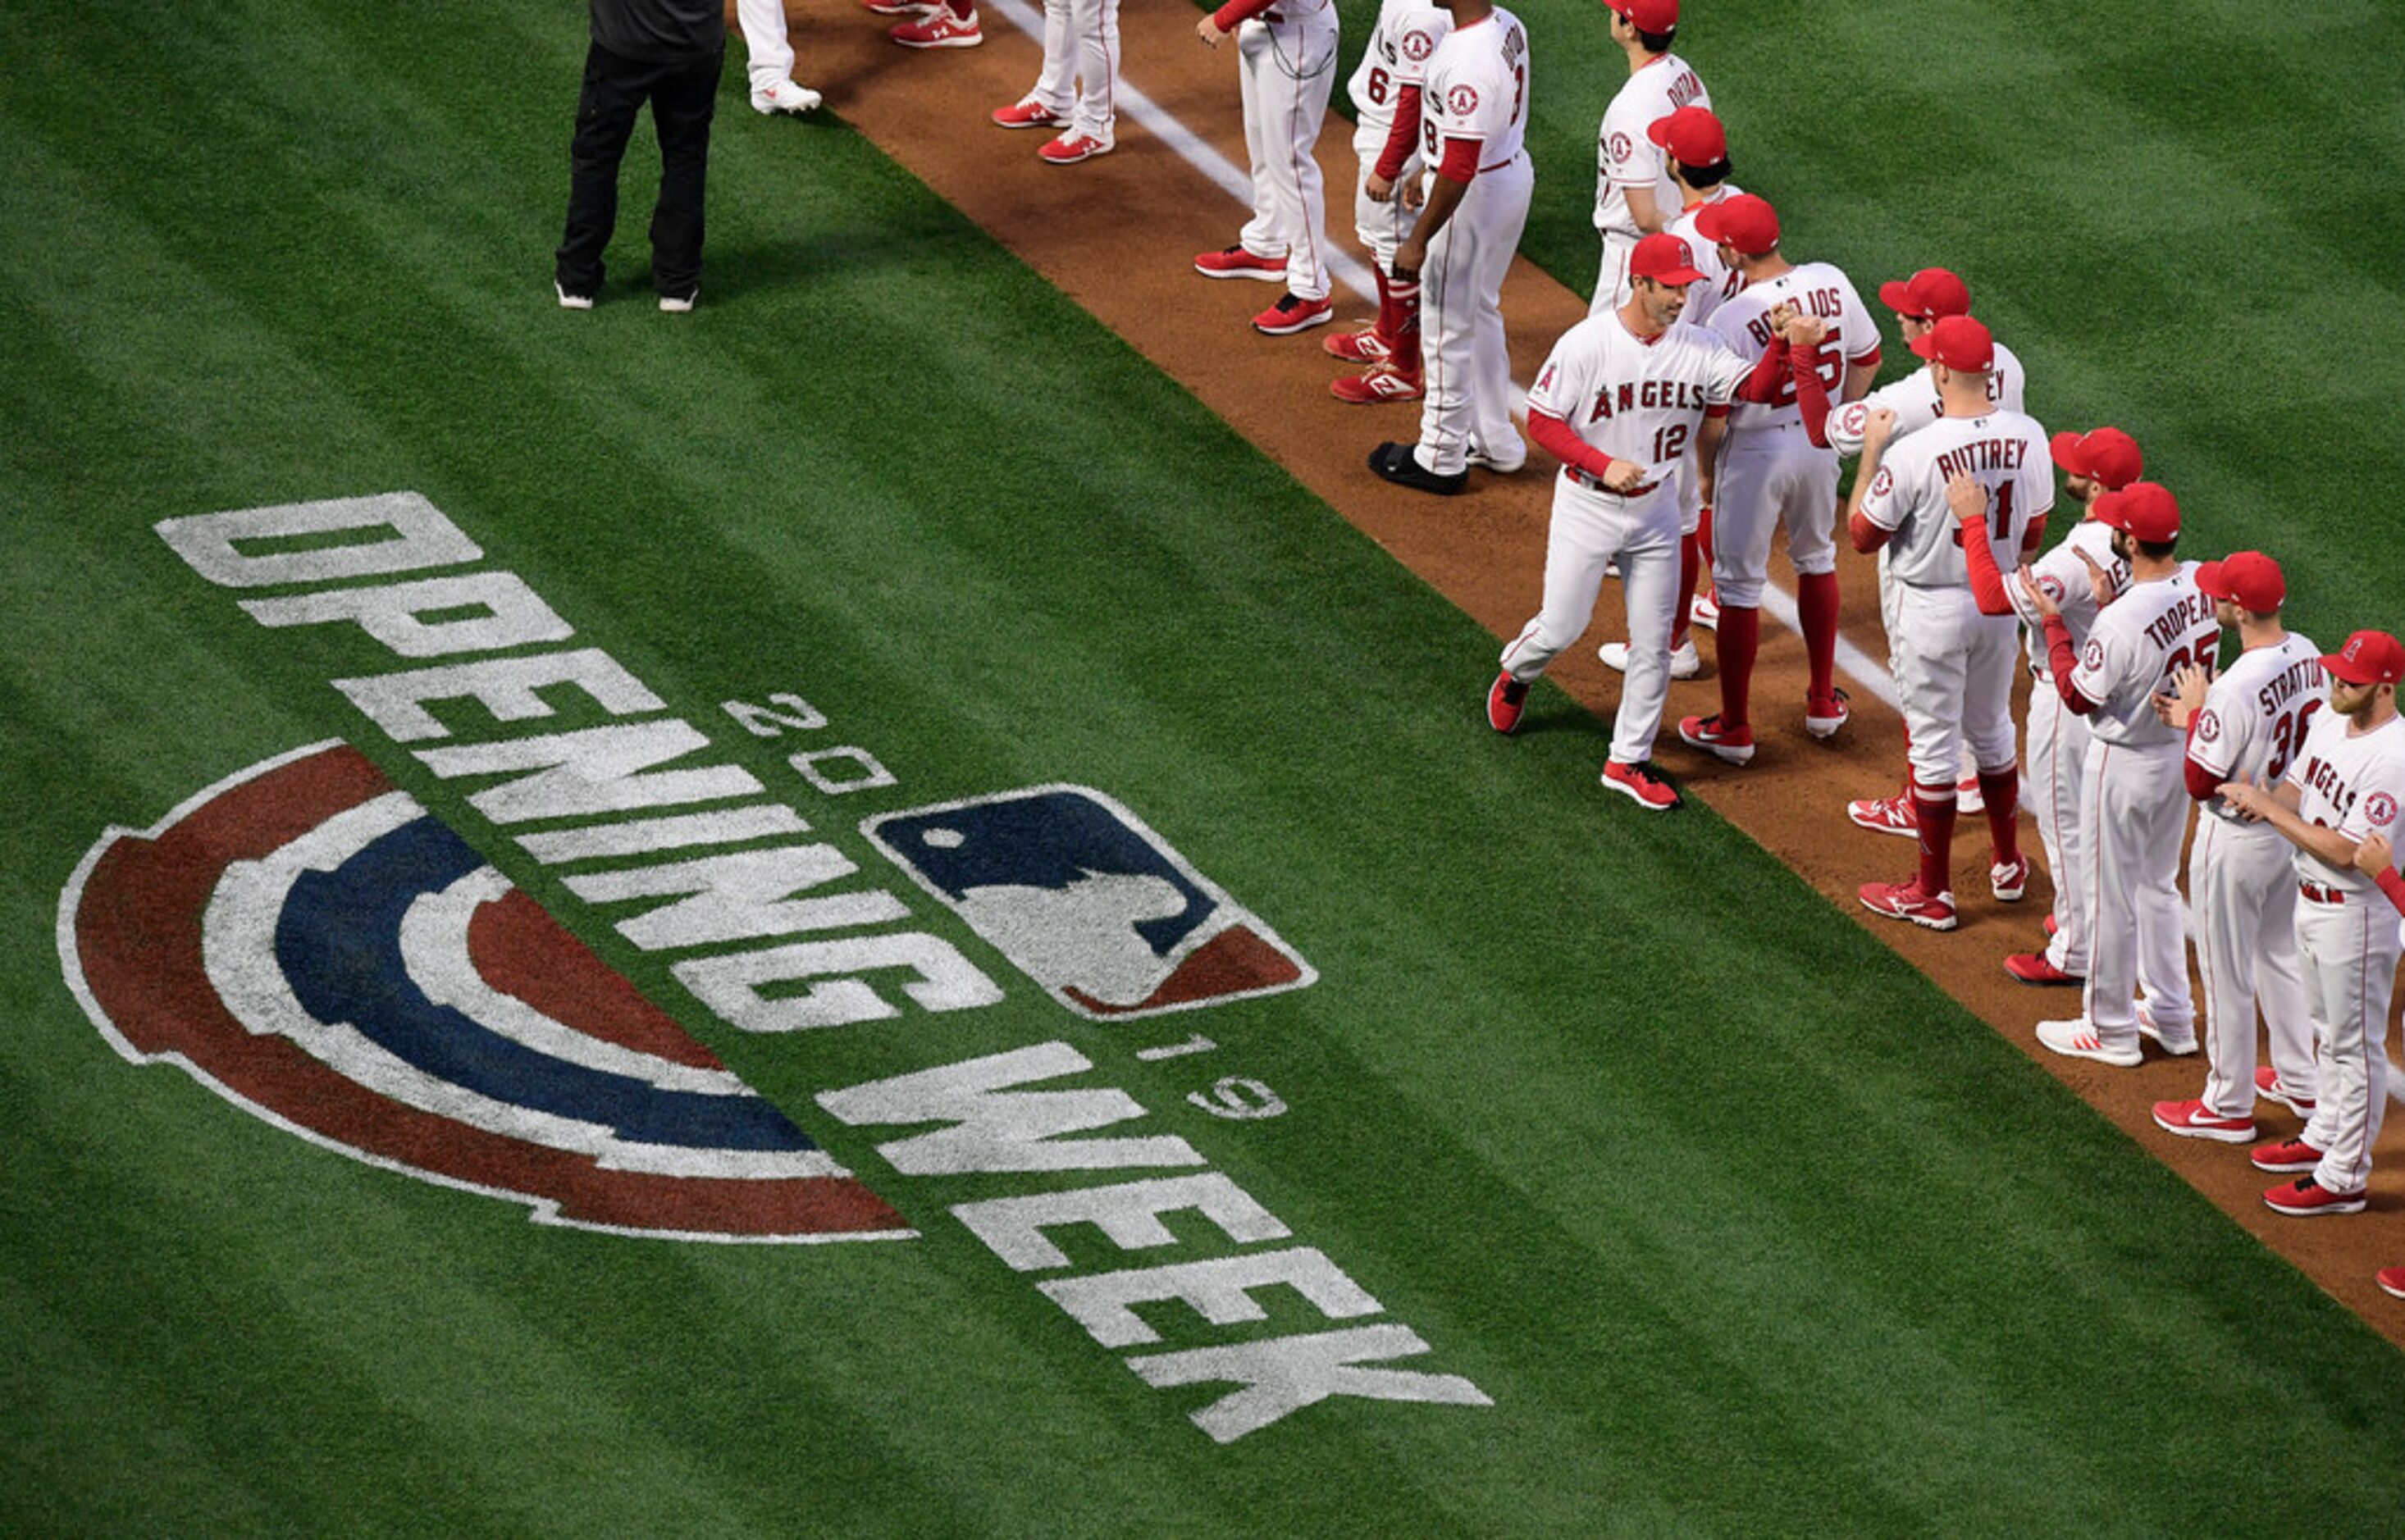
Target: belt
2320, 895
1501, 164
1595, 483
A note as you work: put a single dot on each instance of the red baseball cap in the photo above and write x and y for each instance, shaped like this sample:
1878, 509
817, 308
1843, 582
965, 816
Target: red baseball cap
2369, 657
2248, 578
1959, 343
1650, 16
1745, 221
2104, 454
1693, 136
2146, 510
1928, 294
1665, 258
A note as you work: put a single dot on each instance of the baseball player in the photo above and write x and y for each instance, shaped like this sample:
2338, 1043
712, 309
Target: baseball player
1286, 53
1623, 398
2242, 885
1695, 146
1771, 475
2376, 858
2346, 784
937, 24
2134, 800
2077, 575
1919, 302
771, 62
1473, 110
1076, 89
1943, 501
1386, 92
1633, 196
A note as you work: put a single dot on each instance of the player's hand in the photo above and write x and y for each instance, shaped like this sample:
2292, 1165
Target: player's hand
1877, 428
1415, 193
2041, 603
1620, 475
2186, 694
1378, 188
1781, 313
2254, 802
1805, 331
1410, 257
2374, 856
1208, 30
1968, 500
2100, 582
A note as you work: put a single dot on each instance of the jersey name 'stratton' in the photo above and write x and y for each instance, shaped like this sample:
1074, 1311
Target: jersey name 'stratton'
2255, 715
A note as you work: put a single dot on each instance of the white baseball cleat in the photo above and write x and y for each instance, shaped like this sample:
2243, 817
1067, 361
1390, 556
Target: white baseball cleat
1704, 612
2178, 1041
2009, 879
1685, 663
568, 300
677, 304
787, 98
2077, 1039
1504, 462
1968, 798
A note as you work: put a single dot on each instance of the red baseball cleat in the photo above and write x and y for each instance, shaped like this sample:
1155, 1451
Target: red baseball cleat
1640, 785
1236, 262
2392, 1280
2267, 1087
2194, 1120
2289, 1155
1376, 385
2032, 968
1505, 699
2304, 1198
1733, 744
1824, 714
1886, 815
1293, 314
940, 30
1028, 113
1905, 901
1070, 148
1364, 346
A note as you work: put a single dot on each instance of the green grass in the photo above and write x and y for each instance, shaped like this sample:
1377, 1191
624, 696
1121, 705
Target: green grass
1743, 1225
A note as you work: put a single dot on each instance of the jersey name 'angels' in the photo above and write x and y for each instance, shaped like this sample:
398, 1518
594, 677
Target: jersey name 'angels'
1914, 400
2255, 717
1477, 87
2353, 782
1627, 156
1401, 45
2004, 451
1637, 399
2138, 642
1815, 289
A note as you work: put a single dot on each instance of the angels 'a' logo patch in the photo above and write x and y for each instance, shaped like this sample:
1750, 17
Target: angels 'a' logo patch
2380, 809
1462, 99
1417, 45
2093, 658
1852, 418
2208, 726
1619, 146
1882, 483
2052, 588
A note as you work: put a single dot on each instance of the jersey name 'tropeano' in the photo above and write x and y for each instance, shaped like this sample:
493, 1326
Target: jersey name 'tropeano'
2138, 642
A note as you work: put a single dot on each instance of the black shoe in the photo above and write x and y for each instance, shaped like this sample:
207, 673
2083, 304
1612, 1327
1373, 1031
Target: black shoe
1399, 464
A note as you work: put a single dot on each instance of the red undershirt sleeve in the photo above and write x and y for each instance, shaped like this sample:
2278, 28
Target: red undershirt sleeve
1236, 12
2033, 537
1401, 135
1867, 536
1460, 161
2202, 784
2394, 886
1561, 441
2060, 658
1811, 393
1987, 580
1868, 360
1761, 387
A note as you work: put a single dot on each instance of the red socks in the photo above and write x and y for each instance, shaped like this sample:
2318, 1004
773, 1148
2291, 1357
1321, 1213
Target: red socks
1690, 567
1816, 608
2002, 792
1936, 840
1740, 634
1399, 322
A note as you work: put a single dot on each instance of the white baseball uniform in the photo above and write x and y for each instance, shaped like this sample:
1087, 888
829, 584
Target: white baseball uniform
2242, 881
1643, 400
1081, 66
2347, 939
1718, 284
771, 54
2133, 801
1954, 664
1400, 45
1625, 156
1770, 473
1476, 89
1287, 56
2056, 751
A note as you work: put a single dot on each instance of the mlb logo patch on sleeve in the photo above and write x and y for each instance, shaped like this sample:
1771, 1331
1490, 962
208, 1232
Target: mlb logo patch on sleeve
1086, 899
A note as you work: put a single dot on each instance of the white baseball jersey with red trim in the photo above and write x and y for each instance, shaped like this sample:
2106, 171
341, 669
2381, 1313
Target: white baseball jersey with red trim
2255, 715
1626, 154
1816, 289
2062, 576
1401, 42
1638, 398
2004, 451
1914, 402
1476, 87
1720, 282
2138, 642
2354, 783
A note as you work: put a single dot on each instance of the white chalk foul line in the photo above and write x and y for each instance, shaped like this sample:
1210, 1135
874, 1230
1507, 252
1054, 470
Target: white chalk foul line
1223, 174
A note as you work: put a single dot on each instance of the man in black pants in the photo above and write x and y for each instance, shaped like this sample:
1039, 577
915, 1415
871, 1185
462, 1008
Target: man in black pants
667, 52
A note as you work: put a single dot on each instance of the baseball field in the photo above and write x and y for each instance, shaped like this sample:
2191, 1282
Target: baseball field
1488, 1157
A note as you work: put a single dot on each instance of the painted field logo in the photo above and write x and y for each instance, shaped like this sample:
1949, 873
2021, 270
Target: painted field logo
1089, 902
315, 946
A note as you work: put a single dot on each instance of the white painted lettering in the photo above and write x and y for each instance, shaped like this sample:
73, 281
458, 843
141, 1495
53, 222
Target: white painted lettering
1127, 1212
1285, 1374
1219, 1291
761, 722
597, 770
512, 613
730, 826
732, 986
414, 535
506, 687
818, 768
737, 897
995, 1129
1236, 1097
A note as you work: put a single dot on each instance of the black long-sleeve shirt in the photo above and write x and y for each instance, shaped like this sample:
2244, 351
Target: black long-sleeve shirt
659, 29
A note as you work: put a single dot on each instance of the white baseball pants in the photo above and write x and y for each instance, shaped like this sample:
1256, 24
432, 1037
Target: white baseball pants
1611, 285
1081, 66
771, 56
1771, 478
1287, 68
1589, 529
1954, 676
2349, 953
1383, 227
2134, 807
2242, 883
1465, 366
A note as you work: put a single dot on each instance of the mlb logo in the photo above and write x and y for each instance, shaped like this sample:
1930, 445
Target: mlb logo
1089, 902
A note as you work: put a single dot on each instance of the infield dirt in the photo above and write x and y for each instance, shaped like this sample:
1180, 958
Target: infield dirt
1118, 234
